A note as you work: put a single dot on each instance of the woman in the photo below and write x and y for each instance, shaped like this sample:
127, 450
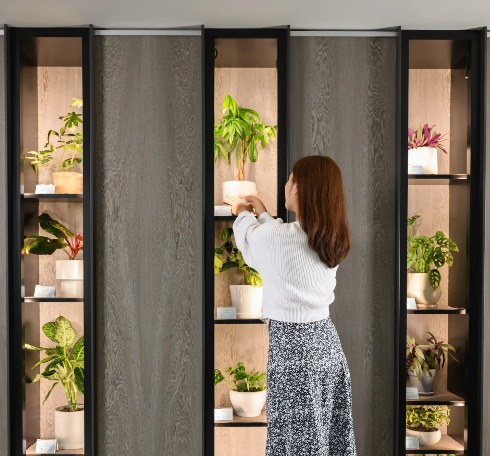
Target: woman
309, 397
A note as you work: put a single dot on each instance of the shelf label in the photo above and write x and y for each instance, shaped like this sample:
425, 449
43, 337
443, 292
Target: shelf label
412, 442
412, 394
411, 304
44, 291
46, 446
226, 313
45, 189
223, 414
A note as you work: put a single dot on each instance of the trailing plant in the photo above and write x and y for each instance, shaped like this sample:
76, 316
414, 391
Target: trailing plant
228, 256
70, 142
426, 418
428, 356
425, 137
64, 239
65, 361
424, 251
240, 130
241, 381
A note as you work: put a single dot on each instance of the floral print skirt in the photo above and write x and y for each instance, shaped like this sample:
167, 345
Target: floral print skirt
309, 396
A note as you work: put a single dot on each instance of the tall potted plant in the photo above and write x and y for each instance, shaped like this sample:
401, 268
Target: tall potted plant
424, 422
240, 130
65, 367
425, 255
69, 272
247, 297
69, 143
248, 391
423, 144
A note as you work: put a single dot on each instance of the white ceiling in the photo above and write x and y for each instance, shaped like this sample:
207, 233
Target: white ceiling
311, 14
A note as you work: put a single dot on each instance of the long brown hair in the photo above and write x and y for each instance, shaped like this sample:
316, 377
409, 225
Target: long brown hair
321, 207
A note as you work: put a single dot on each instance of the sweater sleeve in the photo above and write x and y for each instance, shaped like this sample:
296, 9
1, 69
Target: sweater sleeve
251, 235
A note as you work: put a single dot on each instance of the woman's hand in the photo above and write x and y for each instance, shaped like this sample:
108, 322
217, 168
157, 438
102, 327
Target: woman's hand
238, 205
257, 203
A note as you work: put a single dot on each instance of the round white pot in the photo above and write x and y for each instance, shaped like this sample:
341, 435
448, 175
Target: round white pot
247, 299
426, 438
69, 429
70, 275
68, 182
418, 287
248, 404
236, 188
425, 157
426, 385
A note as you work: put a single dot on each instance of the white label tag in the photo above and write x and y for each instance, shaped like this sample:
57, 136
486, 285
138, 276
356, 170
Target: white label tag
222, 210
411, 304
225, 313
45, 188
46, 446
44, 291
412, 394
221, 414
412, 442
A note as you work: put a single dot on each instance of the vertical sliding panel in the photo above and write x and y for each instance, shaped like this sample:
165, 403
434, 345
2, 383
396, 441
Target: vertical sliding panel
343, 106
148, 216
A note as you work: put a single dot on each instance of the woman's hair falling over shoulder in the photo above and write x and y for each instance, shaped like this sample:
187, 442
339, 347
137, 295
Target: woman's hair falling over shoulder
321, 207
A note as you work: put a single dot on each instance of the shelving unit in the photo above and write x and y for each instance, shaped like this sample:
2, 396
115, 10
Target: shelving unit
46, 68
442, 77
250, 65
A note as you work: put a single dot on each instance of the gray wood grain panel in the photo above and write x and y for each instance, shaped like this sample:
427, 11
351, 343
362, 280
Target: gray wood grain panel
3, 263
148, 168
343, 105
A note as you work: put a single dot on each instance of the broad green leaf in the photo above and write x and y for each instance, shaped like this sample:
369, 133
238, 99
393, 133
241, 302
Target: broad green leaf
79, 379
45, 360
32, 347
65, 334
41, 245
54, 227
434, 278
49, 329
78, 350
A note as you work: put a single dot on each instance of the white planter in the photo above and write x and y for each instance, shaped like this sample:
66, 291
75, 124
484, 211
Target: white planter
248, 404
69, 429
426, 385
70, 275
68, 182
425, 157
418, 287
426, 438
247, 299
236, 188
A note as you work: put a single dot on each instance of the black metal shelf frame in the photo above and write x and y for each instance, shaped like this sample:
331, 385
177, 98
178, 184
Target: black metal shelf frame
13, 39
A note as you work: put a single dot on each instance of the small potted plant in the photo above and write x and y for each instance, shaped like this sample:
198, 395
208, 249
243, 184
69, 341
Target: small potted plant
241, 130
247, 298
424, 422
69, 272
70, 143
423, 144
425, 360
248, 392
64, 366
425, 255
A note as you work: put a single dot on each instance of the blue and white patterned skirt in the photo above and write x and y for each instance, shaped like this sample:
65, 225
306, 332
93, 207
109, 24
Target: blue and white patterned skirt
309, 396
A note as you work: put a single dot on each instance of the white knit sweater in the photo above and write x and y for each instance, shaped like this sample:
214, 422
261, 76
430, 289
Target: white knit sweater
298, 286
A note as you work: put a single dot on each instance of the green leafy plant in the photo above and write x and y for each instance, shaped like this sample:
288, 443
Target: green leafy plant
424, 251
426, 418
70, 142
241, 381
240, 130
64, 239
65, 361
427, 356
228, 256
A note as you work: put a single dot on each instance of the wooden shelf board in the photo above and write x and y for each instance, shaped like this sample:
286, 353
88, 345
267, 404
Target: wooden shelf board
260, 420
55, 299
78, 197
437, 179
439, 310
439, 398
446, 445
32, 450
239, 321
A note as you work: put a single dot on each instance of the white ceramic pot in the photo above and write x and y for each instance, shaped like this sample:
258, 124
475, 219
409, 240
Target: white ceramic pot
426, 438
236, 188
424, 386
418, 287
247, 299
425, 157
69, 429
68, 182
247, 403
70, 275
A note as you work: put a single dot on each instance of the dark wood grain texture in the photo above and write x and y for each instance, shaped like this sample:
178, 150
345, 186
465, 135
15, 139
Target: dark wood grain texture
3, 263
343, 106
148, 241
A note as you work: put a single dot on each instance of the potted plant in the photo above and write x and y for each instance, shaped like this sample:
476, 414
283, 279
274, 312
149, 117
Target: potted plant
64, 366
423, 422
425, 360
248, 392
69, 272
70, 143
423, 144
240, 130
425, 255
247, 298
